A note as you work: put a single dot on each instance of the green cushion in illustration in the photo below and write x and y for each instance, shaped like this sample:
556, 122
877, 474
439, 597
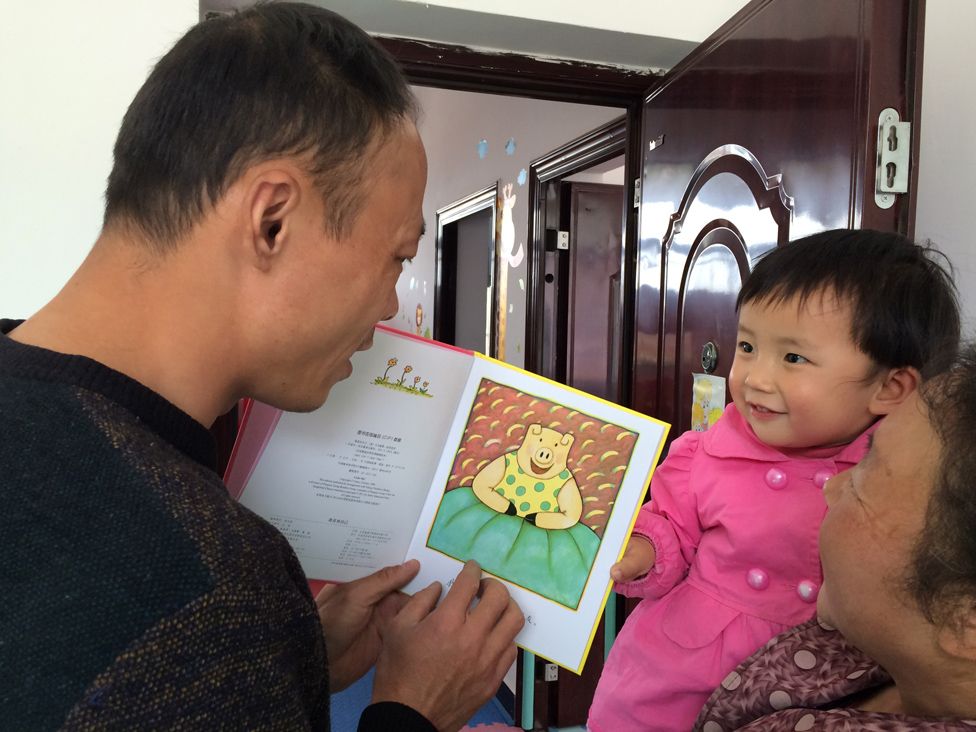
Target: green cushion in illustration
554, 563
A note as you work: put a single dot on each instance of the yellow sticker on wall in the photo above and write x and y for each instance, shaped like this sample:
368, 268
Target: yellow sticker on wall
707, 401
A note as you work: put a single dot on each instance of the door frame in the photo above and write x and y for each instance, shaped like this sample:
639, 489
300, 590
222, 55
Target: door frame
485, 199
459, 68
597, 146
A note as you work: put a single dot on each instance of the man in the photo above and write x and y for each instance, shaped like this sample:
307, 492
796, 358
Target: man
266, 191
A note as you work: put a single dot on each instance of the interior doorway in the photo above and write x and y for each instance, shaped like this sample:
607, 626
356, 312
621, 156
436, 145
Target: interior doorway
486, 144
465, 264
592, 212
580, 224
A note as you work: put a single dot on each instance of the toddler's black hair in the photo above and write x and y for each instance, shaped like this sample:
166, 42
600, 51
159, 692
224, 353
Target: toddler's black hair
904, 305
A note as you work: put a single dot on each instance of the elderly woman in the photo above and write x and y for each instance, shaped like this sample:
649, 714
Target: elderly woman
894, 647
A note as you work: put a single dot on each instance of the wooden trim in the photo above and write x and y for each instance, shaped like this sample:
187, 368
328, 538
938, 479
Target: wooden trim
767, 190
889, 19
862, 122
913, 103
465, 69
716, 233
633, 170
468, 205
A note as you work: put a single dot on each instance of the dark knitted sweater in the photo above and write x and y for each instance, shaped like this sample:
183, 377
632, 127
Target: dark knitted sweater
135, 593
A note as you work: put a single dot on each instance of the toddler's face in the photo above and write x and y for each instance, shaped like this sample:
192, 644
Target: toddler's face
797, 377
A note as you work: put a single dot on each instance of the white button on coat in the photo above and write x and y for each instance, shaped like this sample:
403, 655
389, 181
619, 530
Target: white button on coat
757, 579
776, 478
808, 591
821, 477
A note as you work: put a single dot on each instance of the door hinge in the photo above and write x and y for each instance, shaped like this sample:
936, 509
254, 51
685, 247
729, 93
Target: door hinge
552, 672
556, 240
637, 192
894, 154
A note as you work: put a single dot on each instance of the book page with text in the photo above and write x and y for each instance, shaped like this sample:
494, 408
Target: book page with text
345, 484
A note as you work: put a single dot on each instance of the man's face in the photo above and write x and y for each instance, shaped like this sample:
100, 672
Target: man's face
875, 513
797, 377
335, 291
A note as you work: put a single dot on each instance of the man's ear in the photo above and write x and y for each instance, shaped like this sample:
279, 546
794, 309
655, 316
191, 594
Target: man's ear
957, 637
897, 385
273, 198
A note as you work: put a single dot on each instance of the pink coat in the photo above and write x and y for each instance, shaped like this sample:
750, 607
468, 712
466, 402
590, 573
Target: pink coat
735, 525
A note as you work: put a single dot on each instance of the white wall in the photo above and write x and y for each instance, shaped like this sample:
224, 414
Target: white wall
451, 125
68, 71
649, 17
947, 155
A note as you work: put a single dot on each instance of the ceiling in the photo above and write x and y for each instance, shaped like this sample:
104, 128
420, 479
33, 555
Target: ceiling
649, 35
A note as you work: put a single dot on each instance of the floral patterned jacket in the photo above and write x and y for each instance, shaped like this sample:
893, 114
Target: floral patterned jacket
796, 681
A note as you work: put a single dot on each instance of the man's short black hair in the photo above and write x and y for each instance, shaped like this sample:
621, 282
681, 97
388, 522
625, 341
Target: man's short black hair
278, 79
942, 575
905, 310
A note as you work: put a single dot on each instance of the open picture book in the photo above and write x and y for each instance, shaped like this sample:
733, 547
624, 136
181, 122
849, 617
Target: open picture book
430, 452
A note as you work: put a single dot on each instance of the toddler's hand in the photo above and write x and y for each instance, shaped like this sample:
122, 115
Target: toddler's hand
639, 557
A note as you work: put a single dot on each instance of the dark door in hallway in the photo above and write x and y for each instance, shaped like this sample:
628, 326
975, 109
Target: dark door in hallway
464, 293
765, 134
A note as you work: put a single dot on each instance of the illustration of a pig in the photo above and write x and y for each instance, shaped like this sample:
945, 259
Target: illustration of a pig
533, 482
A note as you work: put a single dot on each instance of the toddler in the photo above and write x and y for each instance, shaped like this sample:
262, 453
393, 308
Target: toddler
834, 330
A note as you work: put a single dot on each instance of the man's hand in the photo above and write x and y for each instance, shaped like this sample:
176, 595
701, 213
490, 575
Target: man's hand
447, 661
638, 558
351, 614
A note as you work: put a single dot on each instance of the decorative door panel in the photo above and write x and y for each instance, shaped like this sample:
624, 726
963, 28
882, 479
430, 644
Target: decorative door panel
729, 215
764, 134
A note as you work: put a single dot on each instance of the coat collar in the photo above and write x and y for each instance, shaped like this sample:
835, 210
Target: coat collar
732, 437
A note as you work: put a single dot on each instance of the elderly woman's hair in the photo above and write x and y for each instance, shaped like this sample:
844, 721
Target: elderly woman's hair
942, 575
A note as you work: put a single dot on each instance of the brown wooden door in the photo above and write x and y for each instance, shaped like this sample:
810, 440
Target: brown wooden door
764, 134
595, 217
